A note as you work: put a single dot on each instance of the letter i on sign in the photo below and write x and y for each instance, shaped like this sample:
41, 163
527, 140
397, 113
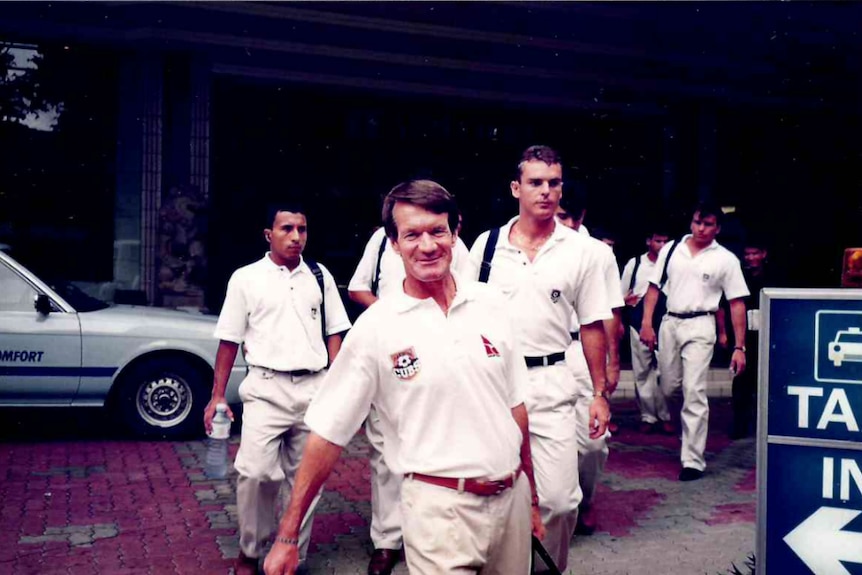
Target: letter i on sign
828, 477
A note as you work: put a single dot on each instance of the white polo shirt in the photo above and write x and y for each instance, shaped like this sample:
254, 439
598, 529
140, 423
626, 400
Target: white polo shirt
444, 386
564, 278
610, 276
696, 283
392, 267
276, 313
645, 272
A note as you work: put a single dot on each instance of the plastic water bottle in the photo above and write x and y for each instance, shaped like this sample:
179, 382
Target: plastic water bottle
216, 459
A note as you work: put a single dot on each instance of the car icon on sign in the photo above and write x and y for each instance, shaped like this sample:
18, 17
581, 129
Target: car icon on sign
847, 346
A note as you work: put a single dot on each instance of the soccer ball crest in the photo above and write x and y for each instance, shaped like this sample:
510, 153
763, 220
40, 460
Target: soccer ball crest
405, 364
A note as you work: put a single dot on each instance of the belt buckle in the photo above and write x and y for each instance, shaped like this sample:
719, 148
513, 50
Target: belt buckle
545, 361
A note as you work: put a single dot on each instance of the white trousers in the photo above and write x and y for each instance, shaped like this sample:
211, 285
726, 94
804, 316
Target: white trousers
385, 490
651, 402
550, 402
685, 350
450, 532
592, 453
273, 437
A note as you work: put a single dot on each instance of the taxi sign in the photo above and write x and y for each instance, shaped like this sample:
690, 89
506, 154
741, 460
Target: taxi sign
809, 456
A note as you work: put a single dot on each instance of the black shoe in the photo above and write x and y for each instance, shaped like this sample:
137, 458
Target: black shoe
690, 474
383, 561
246, 565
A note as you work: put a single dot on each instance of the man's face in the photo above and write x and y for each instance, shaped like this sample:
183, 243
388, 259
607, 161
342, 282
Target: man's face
754, 258
655, 243
567, 219
287, 237
424, 242
539, 189
704, 229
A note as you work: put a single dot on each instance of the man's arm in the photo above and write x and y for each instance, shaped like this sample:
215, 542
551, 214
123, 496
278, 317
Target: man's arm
318, 459
737, 318
519, 413
647, 333
225, 356
363, 298
721, 326
594, 343
333, 345
613, 334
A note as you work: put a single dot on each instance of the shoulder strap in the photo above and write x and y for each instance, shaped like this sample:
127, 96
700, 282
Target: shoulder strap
375, 281
488, 254
318, 275
666, 263
635, 272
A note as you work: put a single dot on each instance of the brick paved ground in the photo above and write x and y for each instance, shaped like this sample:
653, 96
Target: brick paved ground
114, 506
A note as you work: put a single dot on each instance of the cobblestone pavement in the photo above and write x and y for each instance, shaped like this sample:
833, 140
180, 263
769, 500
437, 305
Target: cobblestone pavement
114, 506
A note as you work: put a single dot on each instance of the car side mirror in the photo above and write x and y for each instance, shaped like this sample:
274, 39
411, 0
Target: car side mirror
42, 304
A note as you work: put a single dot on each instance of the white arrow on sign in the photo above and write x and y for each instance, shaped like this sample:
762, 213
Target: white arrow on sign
821, 544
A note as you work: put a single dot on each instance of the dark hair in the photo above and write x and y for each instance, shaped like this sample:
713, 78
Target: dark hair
293, 206
659, 227
423, 193
543, 153
603, 233
709, 208
575, 199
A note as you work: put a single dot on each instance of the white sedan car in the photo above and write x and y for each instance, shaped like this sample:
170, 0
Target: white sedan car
152, 367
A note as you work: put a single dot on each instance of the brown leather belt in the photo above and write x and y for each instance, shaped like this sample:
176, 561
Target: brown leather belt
482, 487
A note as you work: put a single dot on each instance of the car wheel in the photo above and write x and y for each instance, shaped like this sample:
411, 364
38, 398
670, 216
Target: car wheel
163, 398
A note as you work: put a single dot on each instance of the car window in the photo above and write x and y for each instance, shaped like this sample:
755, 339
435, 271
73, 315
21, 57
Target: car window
849, 338
15, 293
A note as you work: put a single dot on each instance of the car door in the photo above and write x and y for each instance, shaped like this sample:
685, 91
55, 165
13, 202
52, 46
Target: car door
40, 354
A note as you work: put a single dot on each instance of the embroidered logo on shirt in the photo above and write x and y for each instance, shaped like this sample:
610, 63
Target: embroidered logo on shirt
489, 347
555, 295
314, 313
405, 364
706, 277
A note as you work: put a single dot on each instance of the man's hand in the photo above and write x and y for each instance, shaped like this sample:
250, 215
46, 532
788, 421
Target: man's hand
647, 336
209, 412
721, 340
600, 416
737, 362
631, 299
538, 526
282, 559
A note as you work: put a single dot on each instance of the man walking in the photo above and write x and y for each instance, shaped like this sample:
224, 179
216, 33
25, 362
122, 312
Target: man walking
441, 364
287, 314
698, 272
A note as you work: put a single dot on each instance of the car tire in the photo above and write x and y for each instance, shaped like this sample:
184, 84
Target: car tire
163, 398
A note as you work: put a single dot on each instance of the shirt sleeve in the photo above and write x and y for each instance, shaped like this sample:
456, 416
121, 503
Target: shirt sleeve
337, 320
461, 259
612, 280
344, 398
734, 282
364, 274
626, 279
233, 319
591, 299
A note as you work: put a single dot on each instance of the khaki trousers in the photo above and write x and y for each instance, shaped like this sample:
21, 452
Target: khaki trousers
685, 350
273, 437
450, 532
385, 490
651, 402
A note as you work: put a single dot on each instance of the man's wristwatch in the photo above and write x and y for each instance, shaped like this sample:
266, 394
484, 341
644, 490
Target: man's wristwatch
603, 394
740, 348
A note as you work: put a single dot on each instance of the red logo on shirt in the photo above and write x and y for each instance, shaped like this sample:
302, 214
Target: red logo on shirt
489, 347
405, 364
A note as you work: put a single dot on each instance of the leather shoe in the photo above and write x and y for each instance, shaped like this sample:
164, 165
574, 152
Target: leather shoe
668, 428
246, 565
586, 524
383, 561
690, 474
646, 427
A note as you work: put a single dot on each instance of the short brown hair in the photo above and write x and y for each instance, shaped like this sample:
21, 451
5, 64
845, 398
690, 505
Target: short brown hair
423, 193
543, 153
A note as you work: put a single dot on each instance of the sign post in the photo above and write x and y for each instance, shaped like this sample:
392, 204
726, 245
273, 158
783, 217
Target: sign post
809, 446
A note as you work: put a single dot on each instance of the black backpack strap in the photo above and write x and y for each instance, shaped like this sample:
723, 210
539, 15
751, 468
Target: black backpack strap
666, 263
488, 254
635, 272
375, 281
318, 275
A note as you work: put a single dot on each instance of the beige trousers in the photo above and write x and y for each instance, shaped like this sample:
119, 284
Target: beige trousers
273, 437
651, 402
450, 532
385, 490
685, 350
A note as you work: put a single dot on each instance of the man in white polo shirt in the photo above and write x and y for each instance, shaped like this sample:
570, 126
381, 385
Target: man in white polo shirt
290, 329
547, 272
380, 273
441, 363
635, 281
699, 270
